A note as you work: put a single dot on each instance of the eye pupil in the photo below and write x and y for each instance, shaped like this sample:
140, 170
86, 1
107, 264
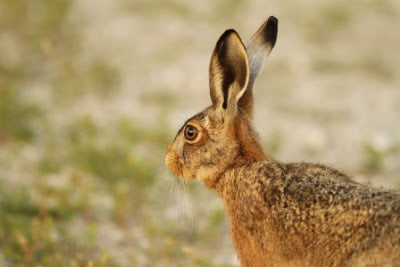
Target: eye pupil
191, 132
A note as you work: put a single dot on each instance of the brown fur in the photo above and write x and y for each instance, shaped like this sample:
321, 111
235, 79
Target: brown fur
295, 214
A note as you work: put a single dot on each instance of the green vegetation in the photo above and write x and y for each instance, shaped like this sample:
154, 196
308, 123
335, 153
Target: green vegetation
17, 118
274, 142
374, 157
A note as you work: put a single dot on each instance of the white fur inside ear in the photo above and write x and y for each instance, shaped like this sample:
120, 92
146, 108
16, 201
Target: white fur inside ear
240, 93
235, 93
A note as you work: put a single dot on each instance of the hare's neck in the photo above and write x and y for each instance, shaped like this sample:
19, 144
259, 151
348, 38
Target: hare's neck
234, 176
218, 177
251, 149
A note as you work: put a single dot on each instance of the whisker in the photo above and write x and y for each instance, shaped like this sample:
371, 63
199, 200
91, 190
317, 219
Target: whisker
188, 206
169, 190
181, 212
163, 141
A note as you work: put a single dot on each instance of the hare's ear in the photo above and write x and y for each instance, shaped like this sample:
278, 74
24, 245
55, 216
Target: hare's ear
258, 49
229, 73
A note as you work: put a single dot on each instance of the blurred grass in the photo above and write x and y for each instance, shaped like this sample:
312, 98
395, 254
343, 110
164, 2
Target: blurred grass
32, 234
375, 155
16, 117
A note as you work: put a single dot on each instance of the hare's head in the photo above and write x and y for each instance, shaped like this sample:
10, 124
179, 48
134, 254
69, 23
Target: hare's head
221, 136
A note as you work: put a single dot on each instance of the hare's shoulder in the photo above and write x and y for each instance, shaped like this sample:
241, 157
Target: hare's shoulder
325, 185
317, 170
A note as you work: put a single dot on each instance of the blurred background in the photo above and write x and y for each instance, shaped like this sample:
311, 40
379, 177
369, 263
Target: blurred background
92, 92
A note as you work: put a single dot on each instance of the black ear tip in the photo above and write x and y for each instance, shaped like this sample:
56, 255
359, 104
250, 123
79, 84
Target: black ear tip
271, 30
272, 20
224, 39
227, 33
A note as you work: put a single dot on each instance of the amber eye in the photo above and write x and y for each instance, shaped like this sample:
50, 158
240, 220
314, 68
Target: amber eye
191, 132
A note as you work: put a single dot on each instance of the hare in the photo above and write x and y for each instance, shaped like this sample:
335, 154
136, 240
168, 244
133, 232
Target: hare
280, 214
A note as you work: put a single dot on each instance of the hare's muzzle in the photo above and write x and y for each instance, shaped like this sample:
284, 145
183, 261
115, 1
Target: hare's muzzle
173, 162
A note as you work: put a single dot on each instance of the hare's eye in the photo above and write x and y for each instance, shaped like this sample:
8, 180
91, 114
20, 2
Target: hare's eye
191, 132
